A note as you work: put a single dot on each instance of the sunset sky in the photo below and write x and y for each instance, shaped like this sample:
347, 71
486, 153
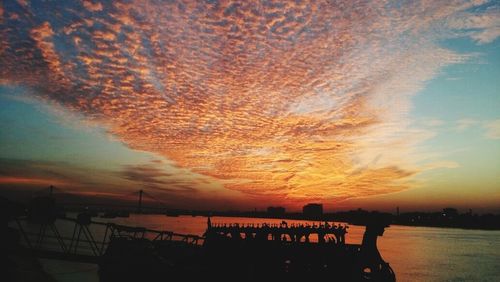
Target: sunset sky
245, 104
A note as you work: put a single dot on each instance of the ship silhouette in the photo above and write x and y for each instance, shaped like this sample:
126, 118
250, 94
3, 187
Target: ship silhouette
252, 252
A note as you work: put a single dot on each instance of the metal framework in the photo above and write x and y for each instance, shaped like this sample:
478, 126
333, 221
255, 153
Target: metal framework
85, 244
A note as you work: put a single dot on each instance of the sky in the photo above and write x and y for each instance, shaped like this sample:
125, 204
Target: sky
247, 104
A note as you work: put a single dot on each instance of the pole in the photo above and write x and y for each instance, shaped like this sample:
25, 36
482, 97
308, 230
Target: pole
139, 210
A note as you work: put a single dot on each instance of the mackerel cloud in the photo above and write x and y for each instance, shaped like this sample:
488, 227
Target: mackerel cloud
283, 99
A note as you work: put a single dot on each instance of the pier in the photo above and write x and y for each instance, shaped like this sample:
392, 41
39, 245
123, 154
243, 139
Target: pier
87, 241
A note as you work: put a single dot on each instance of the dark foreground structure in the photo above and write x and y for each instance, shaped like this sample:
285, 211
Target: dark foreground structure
234, 252
252, 253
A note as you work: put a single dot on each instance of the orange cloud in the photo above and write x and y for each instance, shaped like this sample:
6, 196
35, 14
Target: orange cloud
284, 100
93, 6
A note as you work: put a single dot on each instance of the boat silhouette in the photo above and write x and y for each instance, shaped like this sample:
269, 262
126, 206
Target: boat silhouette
251, 252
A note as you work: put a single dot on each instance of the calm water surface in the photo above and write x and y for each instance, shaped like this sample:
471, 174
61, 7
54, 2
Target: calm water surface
415, 253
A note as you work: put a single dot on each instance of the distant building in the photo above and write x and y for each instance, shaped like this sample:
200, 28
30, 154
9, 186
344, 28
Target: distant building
313, 210
450, 212
276, 211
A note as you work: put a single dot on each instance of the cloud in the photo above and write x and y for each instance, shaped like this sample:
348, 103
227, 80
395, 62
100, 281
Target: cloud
492, 129
93, 6
178, 187
465, 123
483, 28
175, 187
231, 90
442, 164
433, 122
33, 174
166, 179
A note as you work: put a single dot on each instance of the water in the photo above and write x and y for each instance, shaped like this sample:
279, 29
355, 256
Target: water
415, 253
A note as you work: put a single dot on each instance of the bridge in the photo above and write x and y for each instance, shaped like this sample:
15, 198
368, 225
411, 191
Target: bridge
46, 232
137, 201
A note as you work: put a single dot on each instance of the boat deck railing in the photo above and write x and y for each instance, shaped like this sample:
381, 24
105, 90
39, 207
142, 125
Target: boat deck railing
325, 233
